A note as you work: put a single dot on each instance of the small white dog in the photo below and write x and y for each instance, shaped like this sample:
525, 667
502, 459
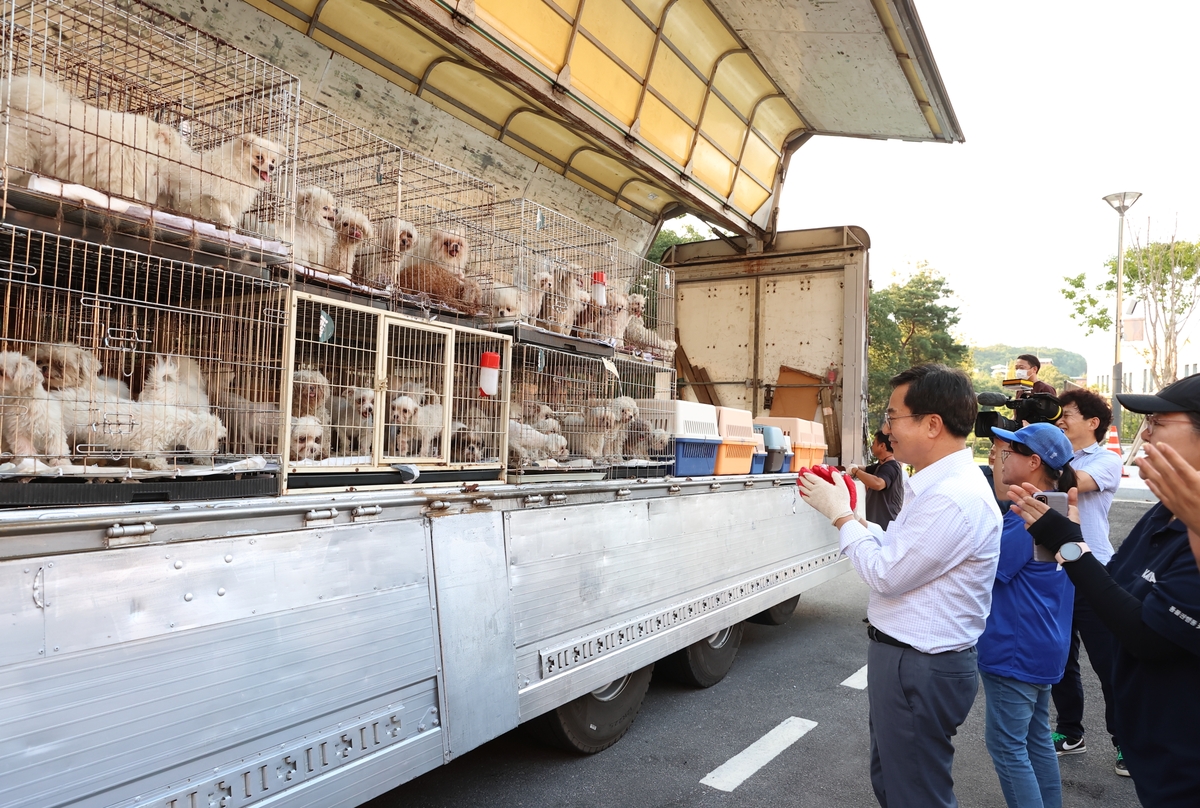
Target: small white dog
65, 365
380, 260
308, 439
354, 419
526, 444
568, 300
449, 249
402, 413
220, 185
588, 433
642, 338
315, 212
31, 423
176, 380
351, 228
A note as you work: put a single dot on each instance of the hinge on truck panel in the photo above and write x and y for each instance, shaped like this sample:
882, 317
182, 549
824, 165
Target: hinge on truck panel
39, 590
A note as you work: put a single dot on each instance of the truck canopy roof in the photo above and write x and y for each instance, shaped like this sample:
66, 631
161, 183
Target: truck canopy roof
656, 105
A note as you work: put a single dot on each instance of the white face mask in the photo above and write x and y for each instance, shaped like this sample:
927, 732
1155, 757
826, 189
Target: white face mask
1022, 373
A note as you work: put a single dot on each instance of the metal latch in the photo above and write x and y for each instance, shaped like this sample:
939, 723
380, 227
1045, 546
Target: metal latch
365, 512
122, 535
321, 515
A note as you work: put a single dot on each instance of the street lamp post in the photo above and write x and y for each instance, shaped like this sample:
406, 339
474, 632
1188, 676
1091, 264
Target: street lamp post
1120, 203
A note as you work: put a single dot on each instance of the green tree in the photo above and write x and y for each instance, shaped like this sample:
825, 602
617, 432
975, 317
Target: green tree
909, 324
668, 238
1161, 278
1070, 363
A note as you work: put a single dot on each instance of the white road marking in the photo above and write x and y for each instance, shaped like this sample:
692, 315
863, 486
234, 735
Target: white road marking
858, 679
735, 771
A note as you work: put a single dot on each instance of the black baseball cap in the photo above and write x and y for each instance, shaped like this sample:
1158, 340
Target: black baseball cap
1180, 396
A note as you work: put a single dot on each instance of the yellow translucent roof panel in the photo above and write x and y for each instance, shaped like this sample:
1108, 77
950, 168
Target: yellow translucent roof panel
474, 90
665, 130
652, 8
776, 119
604, 170
758, 159
532, 25
620, 30
604, 81
678, 84
741, 81
647, 196
722, 125
549, 135
712, 167
698, 33
748, 195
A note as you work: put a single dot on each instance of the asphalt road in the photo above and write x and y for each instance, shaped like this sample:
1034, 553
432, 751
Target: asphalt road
683, 733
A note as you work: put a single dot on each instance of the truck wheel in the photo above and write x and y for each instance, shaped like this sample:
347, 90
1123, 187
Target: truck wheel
596, 721
778, 614
704, 663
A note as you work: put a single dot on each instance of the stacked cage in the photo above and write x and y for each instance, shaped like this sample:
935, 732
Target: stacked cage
446, 217
640, 390
579, 260
645, 293
347, 225
120, 364
124, 119
479, 415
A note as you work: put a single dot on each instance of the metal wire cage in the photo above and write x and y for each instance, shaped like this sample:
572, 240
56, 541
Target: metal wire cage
580, 260
116, 109
479, 418
647, 292
348, 225
141, 354
640, 387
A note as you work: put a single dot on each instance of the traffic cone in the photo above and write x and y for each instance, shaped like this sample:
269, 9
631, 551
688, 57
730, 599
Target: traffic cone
1114, 445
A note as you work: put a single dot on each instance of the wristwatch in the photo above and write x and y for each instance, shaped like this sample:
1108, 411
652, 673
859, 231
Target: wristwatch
1071, 551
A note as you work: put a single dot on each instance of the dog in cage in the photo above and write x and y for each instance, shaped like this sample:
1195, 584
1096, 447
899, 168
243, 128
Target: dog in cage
253, 426
177, 380
587, 433
31, 422
527, 445
65, 365
441, 285
466, 445
526, 303
316, 210
448, 248
402, 412
119, 153
351, 228
415, 423
643, 441
221, 184
307, 439
642, 338
353, 419
568, 299
379, 262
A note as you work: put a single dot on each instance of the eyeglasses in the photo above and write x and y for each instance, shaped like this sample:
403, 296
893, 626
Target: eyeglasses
1153, 422
1006, 453
888, 417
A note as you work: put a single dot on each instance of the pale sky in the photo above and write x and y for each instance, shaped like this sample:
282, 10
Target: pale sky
1061, 103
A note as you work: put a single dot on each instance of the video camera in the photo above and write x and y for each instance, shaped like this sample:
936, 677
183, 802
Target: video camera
1027, 407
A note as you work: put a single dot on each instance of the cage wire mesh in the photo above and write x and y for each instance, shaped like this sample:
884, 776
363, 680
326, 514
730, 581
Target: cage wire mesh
418, 391
638, 384
579, 259
171, 133
478, 428
140, 353
648, 292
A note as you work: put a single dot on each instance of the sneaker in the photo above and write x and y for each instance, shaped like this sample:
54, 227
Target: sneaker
1068, 746
1121, 768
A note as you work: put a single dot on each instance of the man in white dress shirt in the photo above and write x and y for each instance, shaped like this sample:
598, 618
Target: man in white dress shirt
930, 575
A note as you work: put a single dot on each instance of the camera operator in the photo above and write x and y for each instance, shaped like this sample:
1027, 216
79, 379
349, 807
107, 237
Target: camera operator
1024, 646
1028, 366
1149, 598
1085, 419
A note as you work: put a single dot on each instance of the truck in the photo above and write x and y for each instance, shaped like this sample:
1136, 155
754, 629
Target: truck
274, 633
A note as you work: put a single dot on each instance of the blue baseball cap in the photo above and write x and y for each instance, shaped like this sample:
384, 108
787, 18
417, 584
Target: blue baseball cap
1046, 440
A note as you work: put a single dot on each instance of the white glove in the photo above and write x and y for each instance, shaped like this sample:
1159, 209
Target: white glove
850, 468
832, 501
860, 505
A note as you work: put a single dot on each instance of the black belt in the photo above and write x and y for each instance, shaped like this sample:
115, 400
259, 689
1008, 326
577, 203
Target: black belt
878, 636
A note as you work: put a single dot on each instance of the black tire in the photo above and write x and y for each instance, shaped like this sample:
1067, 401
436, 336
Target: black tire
778, 614
704, 663
596, 721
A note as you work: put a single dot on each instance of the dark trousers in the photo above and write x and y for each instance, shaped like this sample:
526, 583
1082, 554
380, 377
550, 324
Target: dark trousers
918, 701
1068, 693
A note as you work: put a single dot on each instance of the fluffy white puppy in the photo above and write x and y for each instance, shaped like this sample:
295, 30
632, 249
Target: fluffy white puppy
353, 415
220, 185
402, 413
176, 380
380, 261
427, 429
31, 424
310, 394
65, 365
315, 212
449, 249
253, 426
568, 300
147, 432
526, 444
614, 318
351, 228
640, 337
588, 433
307, 439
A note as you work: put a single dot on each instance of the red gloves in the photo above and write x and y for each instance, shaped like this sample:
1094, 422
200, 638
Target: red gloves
830, 475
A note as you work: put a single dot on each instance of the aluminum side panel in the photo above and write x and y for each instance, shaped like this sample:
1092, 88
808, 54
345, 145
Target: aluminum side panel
22, 620
476, 628
319, 631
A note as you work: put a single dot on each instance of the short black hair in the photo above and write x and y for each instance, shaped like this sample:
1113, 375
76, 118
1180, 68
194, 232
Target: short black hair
1091, 405
884, 439
1032, 360
935, 389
